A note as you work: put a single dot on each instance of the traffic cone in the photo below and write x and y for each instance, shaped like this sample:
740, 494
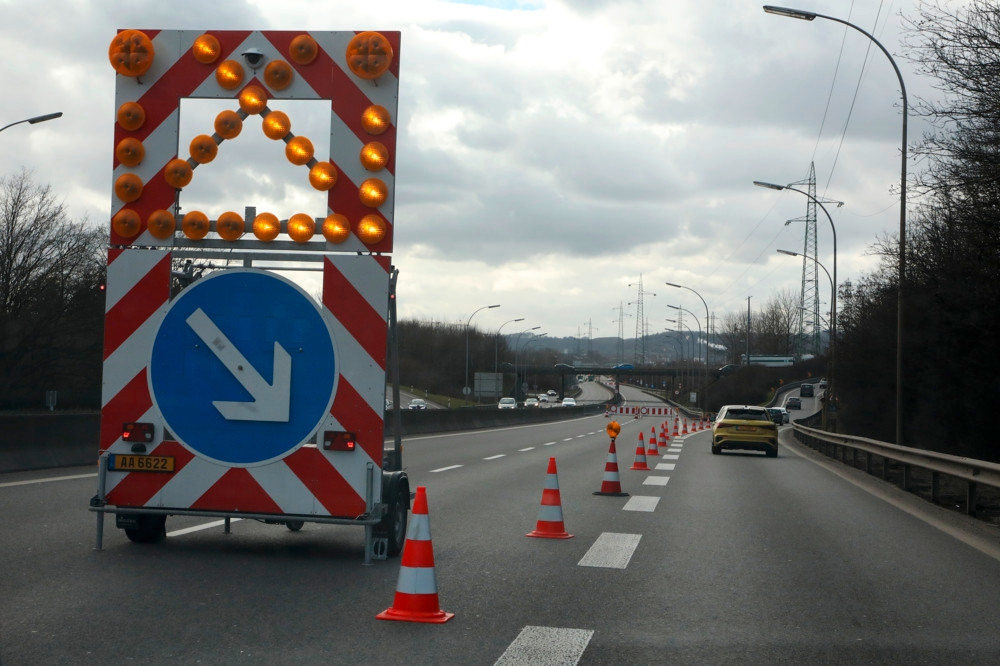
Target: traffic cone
416, 590
675, 426
665, 435
640, 456
550, 518
611, 483
651, 447
684, 427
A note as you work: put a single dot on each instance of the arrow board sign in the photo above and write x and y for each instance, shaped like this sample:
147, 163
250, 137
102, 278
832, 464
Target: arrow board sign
243, 367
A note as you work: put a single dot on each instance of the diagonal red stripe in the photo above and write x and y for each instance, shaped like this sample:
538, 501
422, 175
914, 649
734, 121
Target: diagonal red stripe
355, 415
349, 307
237, 490
138, 488
127, 406
136, 306
325, 483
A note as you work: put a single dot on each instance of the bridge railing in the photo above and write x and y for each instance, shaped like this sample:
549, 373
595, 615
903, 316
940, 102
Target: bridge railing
847, 448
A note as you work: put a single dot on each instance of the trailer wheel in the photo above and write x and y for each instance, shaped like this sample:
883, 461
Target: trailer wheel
393, 525
294, 525
151, 529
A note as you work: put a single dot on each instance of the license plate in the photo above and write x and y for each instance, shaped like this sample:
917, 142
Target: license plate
120, 462
746, 428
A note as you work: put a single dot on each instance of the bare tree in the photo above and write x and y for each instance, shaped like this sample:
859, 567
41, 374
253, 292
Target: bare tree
51, 302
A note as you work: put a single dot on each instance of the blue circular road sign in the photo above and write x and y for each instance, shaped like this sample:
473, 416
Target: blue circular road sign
243, 367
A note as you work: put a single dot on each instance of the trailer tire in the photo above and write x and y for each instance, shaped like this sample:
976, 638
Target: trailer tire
294, 525
393, 525
151, 529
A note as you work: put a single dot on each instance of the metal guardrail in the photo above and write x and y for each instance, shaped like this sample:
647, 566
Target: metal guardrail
973, 472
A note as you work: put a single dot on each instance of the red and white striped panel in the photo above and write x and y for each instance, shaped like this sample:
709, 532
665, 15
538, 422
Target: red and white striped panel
175, 75
310, 480
643, 411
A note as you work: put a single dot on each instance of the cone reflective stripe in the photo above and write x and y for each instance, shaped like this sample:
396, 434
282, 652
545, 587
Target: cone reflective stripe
640, 456
684, 428
611, 484
651, 447
675, 426
550, 519
416, 590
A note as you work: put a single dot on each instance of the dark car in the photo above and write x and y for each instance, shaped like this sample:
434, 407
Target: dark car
728, 369
807, 391
793, 403
778, 414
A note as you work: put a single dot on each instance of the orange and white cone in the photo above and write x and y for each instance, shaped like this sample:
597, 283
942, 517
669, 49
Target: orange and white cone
611, 484
684, 427
640, 456
665, 436
550, 519
675, 426
651, 448
416, 590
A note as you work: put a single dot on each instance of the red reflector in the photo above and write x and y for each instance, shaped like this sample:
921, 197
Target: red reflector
339, 441
137, 432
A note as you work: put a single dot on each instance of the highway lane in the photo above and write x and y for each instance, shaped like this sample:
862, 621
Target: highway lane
741, 558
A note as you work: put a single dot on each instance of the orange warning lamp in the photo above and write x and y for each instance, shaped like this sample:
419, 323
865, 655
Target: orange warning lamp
266, 227
195, 225
371, 229
229, 226
253, 99
369, 55
131, 53
203, 149
278, 75
323, 176
178, 173
131, 116
301, 227
373, 192
128, 187
276, 125
161, 224
228, 124
375, 119
206, 49
299, 150
126, 223
339, 441
613, 428
229, 74
336, 228
303, 49
374, 156
130, 152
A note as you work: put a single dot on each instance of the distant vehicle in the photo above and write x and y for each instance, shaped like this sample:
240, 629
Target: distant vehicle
778, 414
807, 391
769, 361
418, 403
507, 403
822, 384
745, 427
543, 397
793, 403
531, 402
728, 369
551, 393
568, 402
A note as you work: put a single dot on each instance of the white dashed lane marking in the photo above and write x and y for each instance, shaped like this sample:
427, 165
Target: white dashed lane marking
666, 466
641, 503
611, 551
656, 481
546, 645
499, 455
445, 469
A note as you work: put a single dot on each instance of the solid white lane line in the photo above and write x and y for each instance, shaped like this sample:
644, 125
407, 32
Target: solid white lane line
500, 455
546, 645
611, 551
641, 503
656, 481
445, 469
10, 484
206, 526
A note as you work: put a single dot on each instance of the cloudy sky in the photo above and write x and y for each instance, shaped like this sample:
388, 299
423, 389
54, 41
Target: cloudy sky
551, 152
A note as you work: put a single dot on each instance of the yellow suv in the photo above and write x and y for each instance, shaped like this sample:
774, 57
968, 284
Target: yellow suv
745, 427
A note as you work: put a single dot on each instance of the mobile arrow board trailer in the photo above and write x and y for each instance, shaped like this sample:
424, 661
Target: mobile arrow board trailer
230, 392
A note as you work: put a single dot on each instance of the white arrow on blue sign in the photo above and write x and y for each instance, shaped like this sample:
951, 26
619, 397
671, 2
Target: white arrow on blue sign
243, 367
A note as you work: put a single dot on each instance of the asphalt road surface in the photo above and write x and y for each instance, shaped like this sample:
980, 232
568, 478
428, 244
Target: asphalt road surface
735, 558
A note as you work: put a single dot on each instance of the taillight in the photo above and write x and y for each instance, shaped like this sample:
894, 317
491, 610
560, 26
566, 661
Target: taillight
339, 441
137, 432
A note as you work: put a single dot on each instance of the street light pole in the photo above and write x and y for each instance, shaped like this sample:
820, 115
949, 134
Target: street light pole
496, 352
809, 16
697, 321
517, 341
466, 391
833, 295
707, 317
36, 119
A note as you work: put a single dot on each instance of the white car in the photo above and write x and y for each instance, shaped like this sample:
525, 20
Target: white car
568, 402
543, 397
418, 403
531, 402
507, 403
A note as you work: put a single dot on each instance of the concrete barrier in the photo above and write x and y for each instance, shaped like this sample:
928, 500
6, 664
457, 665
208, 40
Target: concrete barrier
42, 441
